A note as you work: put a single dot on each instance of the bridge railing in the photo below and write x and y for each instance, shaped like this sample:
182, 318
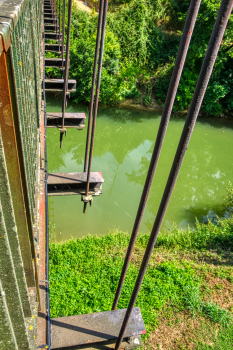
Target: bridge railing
20, 109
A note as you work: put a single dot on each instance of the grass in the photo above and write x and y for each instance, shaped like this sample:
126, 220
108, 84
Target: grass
188, 284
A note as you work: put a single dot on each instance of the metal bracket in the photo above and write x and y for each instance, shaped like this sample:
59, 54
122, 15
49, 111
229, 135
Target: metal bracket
86, 199
62, 132
133, 342
46, 281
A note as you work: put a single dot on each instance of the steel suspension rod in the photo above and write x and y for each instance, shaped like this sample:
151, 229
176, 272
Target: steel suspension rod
96, 97
62, 130
176, 74
202, 83
93, 83
63, 30
59, 25
48, 331
57, 17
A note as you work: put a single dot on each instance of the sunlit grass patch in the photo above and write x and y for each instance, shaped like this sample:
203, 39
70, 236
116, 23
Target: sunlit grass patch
183, 278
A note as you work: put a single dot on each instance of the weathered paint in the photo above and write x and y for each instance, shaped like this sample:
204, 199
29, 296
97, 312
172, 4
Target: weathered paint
10, 287
78, 330
12, 232
13, 170
7, 339
41, 326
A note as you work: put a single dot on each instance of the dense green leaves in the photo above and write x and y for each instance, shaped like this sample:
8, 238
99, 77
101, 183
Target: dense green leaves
142, 39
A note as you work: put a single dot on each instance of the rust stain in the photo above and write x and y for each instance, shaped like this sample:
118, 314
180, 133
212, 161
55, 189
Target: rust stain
13, 167
7, 115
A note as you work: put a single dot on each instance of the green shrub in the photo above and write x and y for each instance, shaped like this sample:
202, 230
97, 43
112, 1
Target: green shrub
139, 44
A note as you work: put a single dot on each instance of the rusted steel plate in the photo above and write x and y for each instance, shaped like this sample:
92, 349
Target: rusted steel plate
54, 47
74, 178
41, 325
57, 85
92, 328
51, 28
54, 62
49, 20
74, 184
67, 115
72, 120
10, 11
1, 44
7, 126
52, 36
49, 15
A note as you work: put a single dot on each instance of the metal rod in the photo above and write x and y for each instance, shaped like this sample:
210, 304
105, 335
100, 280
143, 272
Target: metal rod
203, 80
59, 25
48, 335
68, 61
63, 30
53, 9
57, 19
93, 83
96, 96
171, 94
66, 71
97, 90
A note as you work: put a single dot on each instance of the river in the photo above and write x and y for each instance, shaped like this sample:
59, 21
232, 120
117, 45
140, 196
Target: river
122, 151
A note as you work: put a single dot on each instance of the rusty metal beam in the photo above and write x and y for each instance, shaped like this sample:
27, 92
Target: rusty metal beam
72, 120
13, 167
74, 184
57, 85
72, 331
54, 48
22, 170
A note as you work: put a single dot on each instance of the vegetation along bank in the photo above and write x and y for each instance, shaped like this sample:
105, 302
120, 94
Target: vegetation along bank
186, 296
142, 39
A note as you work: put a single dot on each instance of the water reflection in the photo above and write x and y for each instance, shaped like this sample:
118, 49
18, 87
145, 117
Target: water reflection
122, 151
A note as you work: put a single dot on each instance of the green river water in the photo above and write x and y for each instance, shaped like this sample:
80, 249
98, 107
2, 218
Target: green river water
122, 150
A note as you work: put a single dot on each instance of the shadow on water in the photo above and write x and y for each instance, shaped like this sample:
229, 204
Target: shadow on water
128, 115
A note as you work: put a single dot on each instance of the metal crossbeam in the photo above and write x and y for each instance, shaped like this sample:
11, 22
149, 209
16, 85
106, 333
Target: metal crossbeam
72, 120
72, 331
54, 48
57, 85
74, 184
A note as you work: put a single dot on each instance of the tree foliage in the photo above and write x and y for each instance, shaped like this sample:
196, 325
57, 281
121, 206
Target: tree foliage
142, 39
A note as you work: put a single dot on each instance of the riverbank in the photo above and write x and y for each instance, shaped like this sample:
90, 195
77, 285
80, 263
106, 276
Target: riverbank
186, 297
141, 44
155, 106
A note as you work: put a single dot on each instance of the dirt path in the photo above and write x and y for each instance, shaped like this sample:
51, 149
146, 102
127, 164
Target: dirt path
81, 6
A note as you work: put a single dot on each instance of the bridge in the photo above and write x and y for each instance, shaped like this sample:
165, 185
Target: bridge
29, 29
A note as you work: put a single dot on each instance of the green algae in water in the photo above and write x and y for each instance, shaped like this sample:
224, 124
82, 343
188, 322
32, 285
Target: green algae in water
122, 150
